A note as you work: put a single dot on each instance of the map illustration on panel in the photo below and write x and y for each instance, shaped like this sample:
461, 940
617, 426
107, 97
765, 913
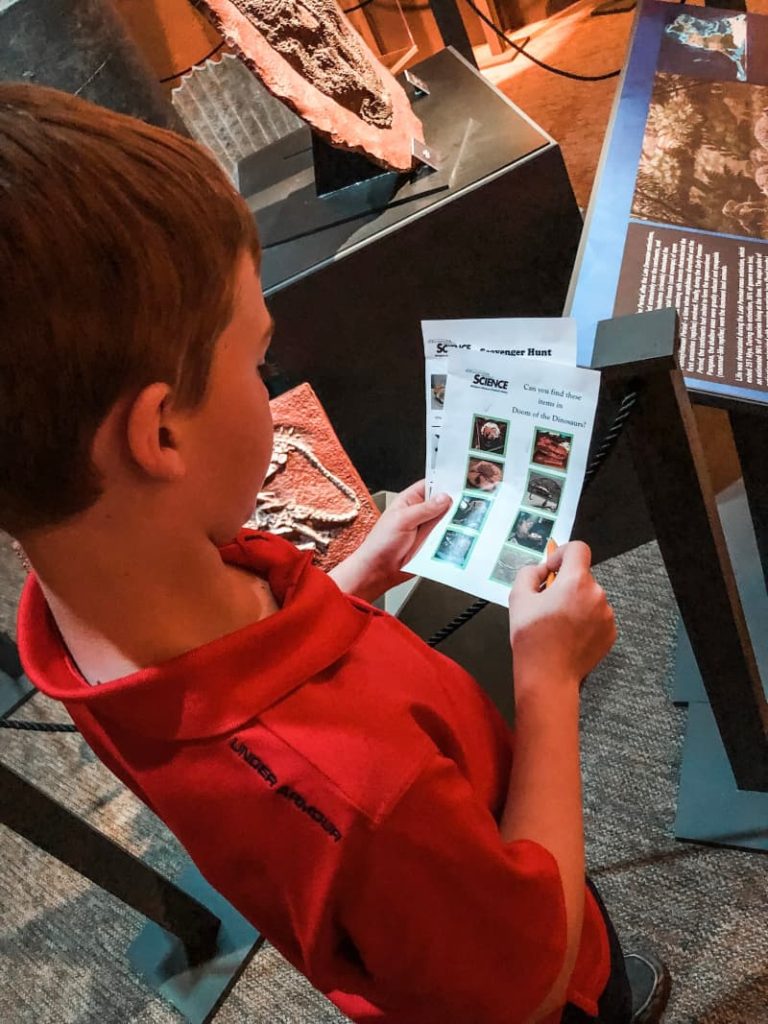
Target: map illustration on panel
714, 46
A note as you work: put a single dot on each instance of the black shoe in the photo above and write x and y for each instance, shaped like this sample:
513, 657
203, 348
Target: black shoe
650, 983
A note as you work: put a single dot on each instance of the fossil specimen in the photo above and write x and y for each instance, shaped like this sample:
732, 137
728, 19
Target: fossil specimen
312, 37
283, 516
307, 53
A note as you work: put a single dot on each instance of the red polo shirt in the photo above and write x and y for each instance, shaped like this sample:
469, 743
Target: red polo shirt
340, 783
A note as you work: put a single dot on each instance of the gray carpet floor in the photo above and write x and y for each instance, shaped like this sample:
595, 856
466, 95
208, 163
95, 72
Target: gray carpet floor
63, 942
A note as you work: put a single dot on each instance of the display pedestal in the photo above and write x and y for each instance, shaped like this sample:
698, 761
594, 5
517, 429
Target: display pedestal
350, 276
711, 808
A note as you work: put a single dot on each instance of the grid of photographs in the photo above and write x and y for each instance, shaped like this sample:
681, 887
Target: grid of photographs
542, 495
484, 474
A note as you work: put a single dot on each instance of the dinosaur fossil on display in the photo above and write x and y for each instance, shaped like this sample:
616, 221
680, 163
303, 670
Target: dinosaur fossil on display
300, 523
307, 54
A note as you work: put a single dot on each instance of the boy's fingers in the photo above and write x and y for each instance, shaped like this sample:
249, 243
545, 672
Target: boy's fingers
530, 578
411, 495
555, 558
569, 557
424, 511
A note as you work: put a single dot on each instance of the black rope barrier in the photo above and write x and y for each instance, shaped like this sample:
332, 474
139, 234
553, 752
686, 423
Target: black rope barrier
22, 726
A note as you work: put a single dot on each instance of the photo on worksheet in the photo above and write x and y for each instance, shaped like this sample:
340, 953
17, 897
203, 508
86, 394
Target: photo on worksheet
531, 531
551, 448
455, 547
484, 475
510, 561
437, 390
471, 512
704, 161
489, 435
544, 491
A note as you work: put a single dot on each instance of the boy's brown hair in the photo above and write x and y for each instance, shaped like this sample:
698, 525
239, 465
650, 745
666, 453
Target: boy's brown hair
118, 249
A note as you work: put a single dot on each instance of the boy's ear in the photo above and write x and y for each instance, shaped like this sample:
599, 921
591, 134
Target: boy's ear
149, 432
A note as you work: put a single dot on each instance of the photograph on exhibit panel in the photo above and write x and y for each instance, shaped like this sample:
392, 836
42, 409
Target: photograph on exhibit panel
704, 161
679, 212
707, 44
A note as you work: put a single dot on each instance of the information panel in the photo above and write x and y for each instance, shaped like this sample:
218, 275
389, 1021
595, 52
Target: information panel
679, 214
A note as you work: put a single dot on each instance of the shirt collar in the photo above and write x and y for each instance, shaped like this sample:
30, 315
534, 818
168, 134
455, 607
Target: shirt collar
217, 687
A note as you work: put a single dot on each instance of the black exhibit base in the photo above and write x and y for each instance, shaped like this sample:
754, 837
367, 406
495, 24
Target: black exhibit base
348, 277
160, 959
711, 808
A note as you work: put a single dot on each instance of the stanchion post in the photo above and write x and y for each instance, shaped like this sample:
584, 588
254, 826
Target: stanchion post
639, 353
750, 431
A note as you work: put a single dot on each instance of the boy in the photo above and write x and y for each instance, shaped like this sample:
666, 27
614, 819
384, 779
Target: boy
352, 792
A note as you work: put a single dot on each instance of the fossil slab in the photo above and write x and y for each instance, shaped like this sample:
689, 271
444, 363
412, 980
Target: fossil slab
312, 495
308, 54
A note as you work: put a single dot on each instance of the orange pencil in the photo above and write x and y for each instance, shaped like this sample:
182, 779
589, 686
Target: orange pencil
551, 548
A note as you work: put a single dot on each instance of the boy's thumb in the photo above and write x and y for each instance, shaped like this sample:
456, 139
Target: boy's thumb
435, 506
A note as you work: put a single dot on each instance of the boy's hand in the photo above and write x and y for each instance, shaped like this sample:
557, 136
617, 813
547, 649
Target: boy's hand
559, 634
376, 565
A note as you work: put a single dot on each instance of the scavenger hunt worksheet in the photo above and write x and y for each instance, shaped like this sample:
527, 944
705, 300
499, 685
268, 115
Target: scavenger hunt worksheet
513, 452
519, 338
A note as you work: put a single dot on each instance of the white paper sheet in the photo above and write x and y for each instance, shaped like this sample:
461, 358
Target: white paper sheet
513, 451
523, 338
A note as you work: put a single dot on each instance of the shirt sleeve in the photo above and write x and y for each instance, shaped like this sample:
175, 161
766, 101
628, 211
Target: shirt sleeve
450, 922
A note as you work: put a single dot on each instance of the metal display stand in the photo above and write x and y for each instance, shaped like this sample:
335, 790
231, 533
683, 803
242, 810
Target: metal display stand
669, 461
710, 548
713, 804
